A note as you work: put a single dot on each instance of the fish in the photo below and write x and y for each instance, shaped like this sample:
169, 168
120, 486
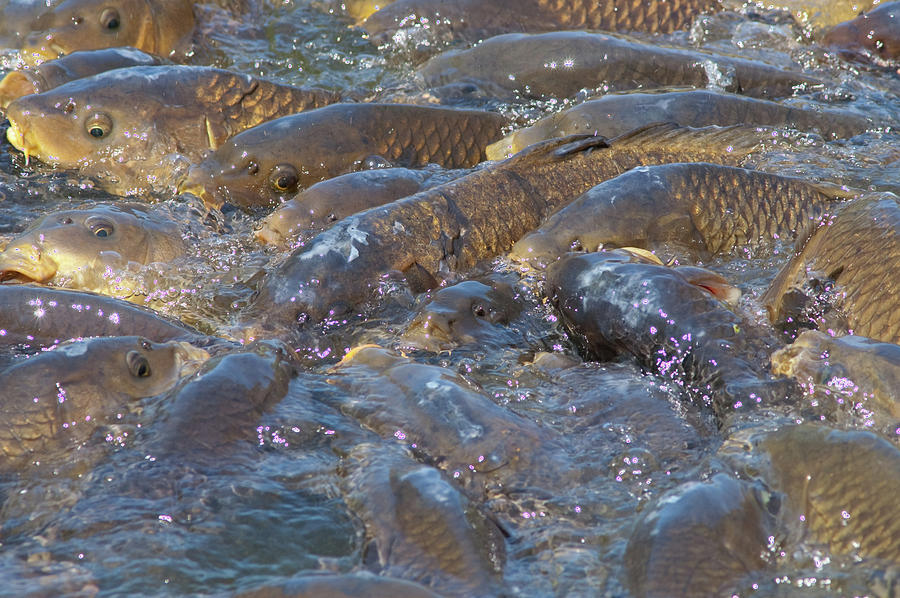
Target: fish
164, 28
347, 585
355, 9
447, 228
701, 538
316, 208
673, 322
873, 36
91, 249
708, 208
36, 317
473, 20
561, 64
55, 401
839, 487
421, 527
17, 18
615, 114
124, 126
269, 163
844, 269
846, 374
466, 313
77, 65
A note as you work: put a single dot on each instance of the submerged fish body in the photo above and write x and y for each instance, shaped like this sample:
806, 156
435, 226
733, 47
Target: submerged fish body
706, 207
873, 34
318, 207
615, 114
700, 539
91, 249
56, 400
77, 65
472, 20
671, 321
271, 162
162, 27
851, 259
422, 527
447, 227
560, 64
124, 126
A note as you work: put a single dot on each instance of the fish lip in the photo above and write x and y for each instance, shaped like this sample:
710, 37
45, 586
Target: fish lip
35, 54
22, 269
17, 137
15, 85
190, 358
212, 198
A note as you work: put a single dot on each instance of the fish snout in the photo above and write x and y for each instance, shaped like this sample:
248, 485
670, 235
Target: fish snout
431, 330
17, 133
15, 85
25, 261
200, 181
39, 47
189, 358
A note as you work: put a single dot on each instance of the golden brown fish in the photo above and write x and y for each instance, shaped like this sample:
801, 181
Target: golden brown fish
560, 64
472, 20
348, 585
271, 162
91, 249
77, 65
616, 114
850, 258
356, 9
124, 126
318, 207
873, 34
55, 401
161, 27
449, 228
708, 208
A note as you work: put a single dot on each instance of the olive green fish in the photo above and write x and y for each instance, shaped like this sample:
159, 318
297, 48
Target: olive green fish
161, 27
318, 207
55, 401
473, 218
472, 20
77, 65
560, 64
91, 249
615, 114
271, 162
853, 252
124, 126
708, 208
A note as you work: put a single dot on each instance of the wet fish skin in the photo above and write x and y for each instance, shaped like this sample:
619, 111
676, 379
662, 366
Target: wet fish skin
90, 249
854, 250
709, 208
269, 163
124, 126
615, 114
163, 27
671, 323
857, 369
56, 400
472, 20
700, 539
447, 227
844, 482
486, 448
466, 313
355, 9
423, 528
37, 316
873, 34
560, 64
70, 67
321, 205
348, 585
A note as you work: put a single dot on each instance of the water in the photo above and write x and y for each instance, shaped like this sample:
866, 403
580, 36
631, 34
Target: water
273, 508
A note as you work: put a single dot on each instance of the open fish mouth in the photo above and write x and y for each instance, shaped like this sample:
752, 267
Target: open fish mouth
190, 358
17, 268
15, 85
16, 138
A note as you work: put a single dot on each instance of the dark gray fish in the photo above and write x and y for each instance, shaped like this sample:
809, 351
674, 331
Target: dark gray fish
560, 64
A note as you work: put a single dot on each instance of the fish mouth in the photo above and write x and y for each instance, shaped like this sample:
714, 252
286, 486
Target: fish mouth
35, 54
193, 184
18, 268
17, 138
15, 85
190, 358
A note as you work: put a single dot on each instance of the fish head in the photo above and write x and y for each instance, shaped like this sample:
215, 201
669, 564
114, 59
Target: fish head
244, 173
89, 248
106, 126
17, 84
160, 28
133, 366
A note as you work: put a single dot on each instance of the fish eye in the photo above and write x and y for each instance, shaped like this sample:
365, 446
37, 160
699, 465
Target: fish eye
109, 19
284, 178
98, 125
101, 227
138, 364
